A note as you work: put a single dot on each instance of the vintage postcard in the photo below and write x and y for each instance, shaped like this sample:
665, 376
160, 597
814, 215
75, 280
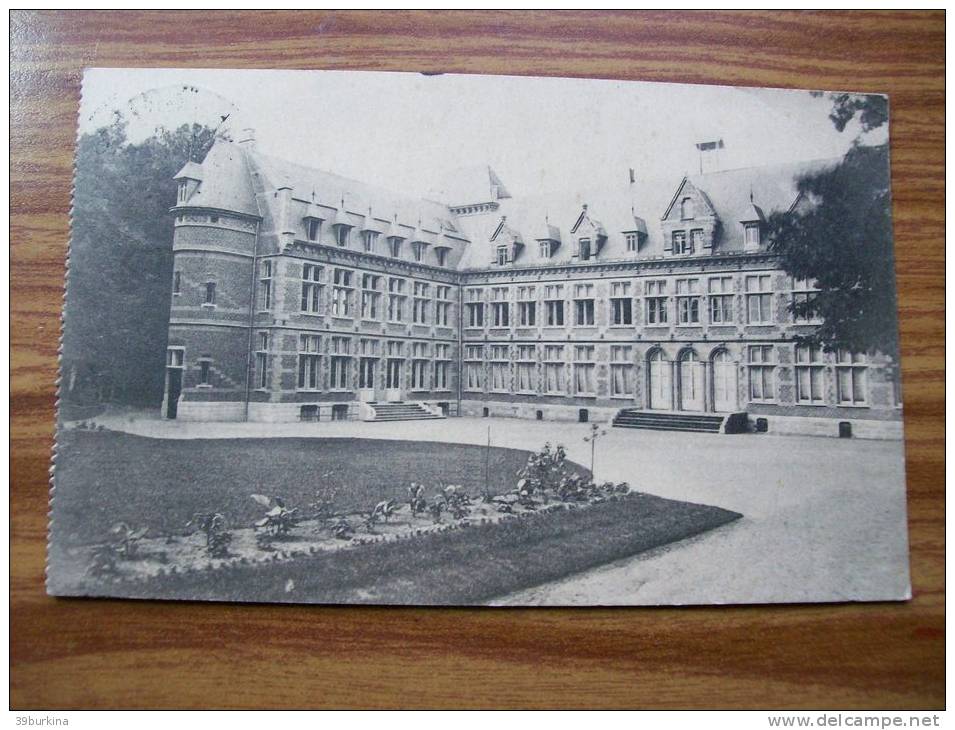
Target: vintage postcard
349, 337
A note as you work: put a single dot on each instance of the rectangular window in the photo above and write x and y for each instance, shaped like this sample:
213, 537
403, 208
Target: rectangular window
759, 299
339, 362
544, 249
204, 368
210, 299
441, 254
369, 238
442, 305
804, 292
696, 240
442, 366
526, 369
554, 305
554, 369
313, 228
851, 372
370, 296
720, 289
367, 363
309, 359
419, 307
527, 306
394, 364
499, 364
679, 243
341, 292
311, 288
176, 283
631, 242
621, 371
342, 235
656, 300
501, 255
419, 366
394, 246
417, 249
761, 368
473, 367
500, 307
584, 305
474, 307
810, 372
396, 300
688, 301
262, 360
752, 235
265, 285
583, 248
621, 304
584, 367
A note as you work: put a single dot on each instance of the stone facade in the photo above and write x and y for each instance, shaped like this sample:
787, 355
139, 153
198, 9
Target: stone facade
299, 295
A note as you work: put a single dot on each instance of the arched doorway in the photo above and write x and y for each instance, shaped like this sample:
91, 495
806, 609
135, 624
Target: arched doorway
659, 391
725, 383
691, 381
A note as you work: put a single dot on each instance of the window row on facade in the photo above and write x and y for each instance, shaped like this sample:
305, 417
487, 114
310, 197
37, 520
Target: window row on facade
682, 301
369, 241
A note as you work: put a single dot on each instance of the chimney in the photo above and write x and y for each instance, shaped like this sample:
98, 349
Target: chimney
247, 138
710, 155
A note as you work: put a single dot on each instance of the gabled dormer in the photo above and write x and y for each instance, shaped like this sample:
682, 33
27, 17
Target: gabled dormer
395, 237
187, 180
754, 224
369, 232
690, 225
589, 236
419, 243
548, 240
507, 243
312, 220
342, 225
635, 235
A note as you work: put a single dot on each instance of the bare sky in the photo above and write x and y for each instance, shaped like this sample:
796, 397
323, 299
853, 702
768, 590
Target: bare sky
404, 131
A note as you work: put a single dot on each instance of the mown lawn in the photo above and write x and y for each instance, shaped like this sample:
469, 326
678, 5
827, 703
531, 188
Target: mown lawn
106, 477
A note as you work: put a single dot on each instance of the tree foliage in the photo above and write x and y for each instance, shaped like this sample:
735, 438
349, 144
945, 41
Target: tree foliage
840, 236
120, 266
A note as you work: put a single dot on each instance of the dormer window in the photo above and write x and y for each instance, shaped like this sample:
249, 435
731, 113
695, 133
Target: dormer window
753, 235
417, 248
341, 236
501, 255
394, 246
313, 227
182, 192
631, 242
368, 240
442, 255
545, 249
583, 249
687, 209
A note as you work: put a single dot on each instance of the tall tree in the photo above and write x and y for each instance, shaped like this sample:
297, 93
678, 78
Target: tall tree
840, 236
120, 266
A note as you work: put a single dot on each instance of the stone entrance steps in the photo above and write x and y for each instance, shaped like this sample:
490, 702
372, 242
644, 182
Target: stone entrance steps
681, 421
401, 411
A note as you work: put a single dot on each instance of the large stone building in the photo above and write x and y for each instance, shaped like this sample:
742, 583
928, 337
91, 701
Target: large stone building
301, 295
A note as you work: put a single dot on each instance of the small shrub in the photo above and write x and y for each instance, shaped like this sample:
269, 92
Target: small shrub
416, 500
128, 540
456, 501
342, 529
435, 509
212, 524
279, 520
323, 508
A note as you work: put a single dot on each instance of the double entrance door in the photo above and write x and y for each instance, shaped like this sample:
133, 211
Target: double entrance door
688, 375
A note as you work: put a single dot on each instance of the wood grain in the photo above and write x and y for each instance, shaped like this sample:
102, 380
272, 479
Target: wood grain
100, 653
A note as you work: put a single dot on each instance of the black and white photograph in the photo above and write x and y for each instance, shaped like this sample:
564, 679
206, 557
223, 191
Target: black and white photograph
347, 337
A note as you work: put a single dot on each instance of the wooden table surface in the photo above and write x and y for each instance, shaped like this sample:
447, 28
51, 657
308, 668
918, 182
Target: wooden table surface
107, 653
